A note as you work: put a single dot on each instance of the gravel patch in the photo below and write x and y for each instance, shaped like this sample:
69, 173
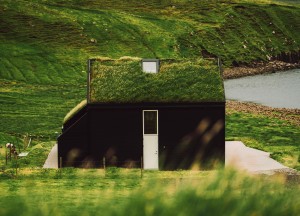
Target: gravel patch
52, 160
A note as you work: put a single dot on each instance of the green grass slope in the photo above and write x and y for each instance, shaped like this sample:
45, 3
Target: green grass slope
49, 41
35, 109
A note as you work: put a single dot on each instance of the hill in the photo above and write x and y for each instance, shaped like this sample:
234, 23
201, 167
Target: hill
48, 41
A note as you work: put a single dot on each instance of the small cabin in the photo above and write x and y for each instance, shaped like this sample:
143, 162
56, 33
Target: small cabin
162, 114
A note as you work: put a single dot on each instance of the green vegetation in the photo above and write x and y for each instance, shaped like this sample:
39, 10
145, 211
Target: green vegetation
37, 147
121, 191
268, 134
44, 47
34, 109
49, 41
75, 110
45, 44
123, 81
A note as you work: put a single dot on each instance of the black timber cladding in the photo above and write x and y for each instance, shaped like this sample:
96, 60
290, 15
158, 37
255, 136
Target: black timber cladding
188, 133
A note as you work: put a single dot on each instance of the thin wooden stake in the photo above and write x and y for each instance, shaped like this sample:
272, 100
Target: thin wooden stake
142, 167
60, 162
10, 153
104, 166
60, 165
104, 163
5, 155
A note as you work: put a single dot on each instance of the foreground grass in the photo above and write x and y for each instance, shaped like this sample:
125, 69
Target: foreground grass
278, 137
120, 192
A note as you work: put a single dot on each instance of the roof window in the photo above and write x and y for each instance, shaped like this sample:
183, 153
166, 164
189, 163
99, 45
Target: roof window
150, 65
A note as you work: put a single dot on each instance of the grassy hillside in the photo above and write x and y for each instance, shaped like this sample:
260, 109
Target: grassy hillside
44, 46
48, 41
35, 109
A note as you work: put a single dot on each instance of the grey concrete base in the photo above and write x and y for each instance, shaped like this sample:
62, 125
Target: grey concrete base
52, 160
241, 157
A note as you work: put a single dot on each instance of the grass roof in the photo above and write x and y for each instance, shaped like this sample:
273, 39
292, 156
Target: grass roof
75, 110
123, 81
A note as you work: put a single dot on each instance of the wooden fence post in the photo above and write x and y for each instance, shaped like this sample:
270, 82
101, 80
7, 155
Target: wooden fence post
142, 167
60, 162
10, 153
60, 165
104, 166
5, 155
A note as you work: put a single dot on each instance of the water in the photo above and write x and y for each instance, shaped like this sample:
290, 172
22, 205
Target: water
280, 90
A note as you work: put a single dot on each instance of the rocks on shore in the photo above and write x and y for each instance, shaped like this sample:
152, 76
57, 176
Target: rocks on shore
292, 116
258, 68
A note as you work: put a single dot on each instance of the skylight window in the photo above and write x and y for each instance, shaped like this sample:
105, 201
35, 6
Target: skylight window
150, 65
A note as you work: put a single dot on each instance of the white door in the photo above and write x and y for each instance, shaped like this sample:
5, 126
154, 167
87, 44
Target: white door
150, 131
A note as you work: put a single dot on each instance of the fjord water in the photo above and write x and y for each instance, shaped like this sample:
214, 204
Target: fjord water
280, 90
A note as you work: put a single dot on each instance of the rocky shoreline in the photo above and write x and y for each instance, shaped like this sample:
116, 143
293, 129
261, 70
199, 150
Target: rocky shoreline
291, 116
258, 68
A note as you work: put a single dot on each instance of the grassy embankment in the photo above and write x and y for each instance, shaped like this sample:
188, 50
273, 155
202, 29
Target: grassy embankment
121, 191
271, 134
44, 46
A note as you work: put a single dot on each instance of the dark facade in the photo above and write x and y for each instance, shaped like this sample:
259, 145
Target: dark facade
188, 135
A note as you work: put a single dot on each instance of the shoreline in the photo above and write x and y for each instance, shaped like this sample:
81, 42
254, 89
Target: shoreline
292, 116
258, 68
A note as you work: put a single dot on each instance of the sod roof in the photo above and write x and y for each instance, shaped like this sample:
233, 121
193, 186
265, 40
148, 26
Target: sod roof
123, 81
75, 110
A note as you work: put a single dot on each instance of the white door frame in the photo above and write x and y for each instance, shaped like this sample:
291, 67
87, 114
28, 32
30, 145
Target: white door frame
150, 145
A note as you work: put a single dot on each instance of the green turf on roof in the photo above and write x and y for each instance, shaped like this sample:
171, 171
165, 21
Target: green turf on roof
75, 110
123, 81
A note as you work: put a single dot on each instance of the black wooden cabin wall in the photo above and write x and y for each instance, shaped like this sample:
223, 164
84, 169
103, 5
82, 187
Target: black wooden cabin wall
191, 135
116, 133
73, 144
